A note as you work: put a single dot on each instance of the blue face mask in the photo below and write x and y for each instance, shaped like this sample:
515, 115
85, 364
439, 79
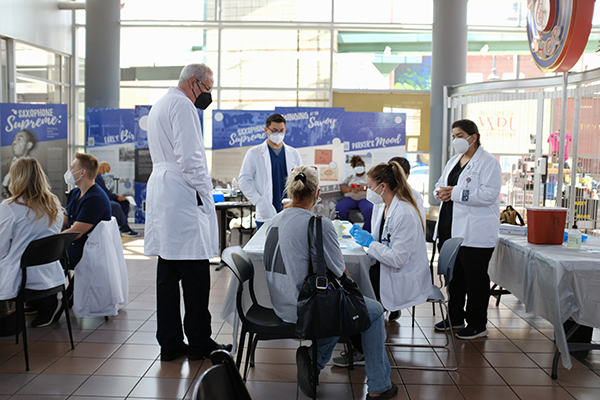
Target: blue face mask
105, 175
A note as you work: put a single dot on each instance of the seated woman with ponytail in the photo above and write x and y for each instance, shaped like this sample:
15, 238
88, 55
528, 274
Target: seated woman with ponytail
400, 274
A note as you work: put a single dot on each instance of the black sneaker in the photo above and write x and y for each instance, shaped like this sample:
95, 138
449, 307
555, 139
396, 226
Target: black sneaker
388, 394
445, 325
30, 309
46, 316
305, 375
394, 315
471, 333
168, 356
201, 355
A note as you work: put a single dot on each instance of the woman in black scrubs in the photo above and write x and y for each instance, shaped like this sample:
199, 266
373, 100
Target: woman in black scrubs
469, 190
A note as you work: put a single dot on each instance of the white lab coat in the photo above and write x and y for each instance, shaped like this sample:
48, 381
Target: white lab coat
17, 230
405, 278
101, 283
420, 206
256, 180
475, 218
177, 228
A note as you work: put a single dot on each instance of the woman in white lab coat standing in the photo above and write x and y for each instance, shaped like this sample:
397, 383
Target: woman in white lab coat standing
469, 190
33, 212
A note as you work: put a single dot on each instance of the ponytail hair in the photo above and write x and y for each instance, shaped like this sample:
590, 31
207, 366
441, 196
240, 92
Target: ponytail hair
394, 177
302, 183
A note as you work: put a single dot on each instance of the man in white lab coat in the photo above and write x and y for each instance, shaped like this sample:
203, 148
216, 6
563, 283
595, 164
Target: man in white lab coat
181, 221
265, 170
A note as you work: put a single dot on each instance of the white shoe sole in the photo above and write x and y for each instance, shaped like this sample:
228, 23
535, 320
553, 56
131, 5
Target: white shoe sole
345, 365
455, 327
480, 334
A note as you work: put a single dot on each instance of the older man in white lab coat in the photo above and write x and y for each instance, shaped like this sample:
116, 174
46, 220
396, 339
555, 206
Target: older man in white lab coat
266, 168
181, 221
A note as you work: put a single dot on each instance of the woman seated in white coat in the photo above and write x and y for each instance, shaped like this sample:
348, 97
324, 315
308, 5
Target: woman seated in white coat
397, 244
32, 212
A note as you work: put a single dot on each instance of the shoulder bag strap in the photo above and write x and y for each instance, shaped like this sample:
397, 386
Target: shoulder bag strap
311, 225
322, 280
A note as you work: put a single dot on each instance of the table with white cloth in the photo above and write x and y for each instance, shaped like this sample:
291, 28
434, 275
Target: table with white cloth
356, 260
554, 282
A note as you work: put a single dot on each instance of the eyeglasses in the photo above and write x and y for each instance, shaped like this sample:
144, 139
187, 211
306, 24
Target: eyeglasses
281, 131
208, 90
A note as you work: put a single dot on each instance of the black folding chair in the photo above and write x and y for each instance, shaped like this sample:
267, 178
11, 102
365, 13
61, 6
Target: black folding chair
39, 252
259, 322
222, 381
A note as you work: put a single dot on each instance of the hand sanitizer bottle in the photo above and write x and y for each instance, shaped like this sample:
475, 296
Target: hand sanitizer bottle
574, 240
339, 227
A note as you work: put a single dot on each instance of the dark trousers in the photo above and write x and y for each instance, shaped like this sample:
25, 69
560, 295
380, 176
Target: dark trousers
118, 211
195, 281
470, 280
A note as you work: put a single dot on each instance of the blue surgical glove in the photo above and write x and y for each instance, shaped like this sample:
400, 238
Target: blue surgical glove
363, 238
355, 228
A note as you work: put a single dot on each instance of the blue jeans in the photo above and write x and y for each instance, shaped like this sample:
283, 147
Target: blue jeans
377, 364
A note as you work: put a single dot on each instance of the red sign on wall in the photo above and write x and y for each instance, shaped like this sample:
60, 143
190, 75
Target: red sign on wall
558, 31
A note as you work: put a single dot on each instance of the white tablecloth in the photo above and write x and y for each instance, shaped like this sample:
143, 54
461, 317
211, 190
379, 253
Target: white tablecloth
357, 264
553, 282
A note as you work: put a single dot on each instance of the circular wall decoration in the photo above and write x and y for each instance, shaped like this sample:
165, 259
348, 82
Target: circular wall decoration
558, 31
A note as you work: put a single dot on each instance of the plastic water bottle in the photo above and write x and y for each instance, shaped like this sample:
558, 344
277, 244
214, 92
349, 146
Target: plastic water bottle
574, 240
338, 225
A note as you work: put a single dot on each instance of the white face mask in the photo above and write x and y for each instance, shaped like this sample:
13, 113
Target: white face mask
318, 197
69, 178
276, 137
374, 197
359, 170
461, 145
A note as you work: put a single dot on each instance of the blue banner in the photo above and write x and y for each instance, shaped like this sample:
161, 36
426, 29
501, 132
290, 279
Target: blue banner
109, 126
373, 130
143, 162
238, 128
311, 126
47, 122
141, 126
39, 131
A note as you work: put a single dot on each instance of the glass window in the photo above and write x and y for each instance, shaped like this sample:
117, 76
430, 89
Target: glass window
275, 58
37, 63
81, 133
131, 97
384, 11
497, 13
182, 10
3, 72
162, 46
282, 10
33, 91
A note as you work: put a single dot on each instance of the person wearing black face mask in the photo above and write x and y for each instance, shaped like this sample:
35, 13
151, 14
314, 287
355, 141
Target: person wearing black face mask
181, 221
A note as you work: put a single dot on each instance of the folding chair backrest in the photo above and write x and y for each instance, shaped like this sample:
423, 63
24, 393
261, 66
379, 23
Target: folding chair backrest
429, 229
447, 258
46, 250
222, 381
238, 261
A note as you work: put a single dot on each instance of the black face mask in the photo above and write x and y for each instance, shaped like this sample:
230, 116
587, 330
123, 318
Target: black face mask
203, 101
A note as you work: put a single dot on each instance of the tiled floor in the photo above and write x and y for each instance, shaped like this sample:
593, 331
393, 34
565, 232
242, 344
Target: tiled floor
119, 358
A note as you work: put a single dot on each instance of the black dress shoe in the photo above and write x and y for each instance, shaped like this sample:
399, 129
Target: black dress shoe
201, 355
168, 356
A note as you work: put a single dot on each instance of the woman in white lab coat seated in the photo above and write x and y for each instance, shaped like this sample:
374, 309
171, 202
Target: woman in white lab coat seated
396, 245
469, 189
32, 212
